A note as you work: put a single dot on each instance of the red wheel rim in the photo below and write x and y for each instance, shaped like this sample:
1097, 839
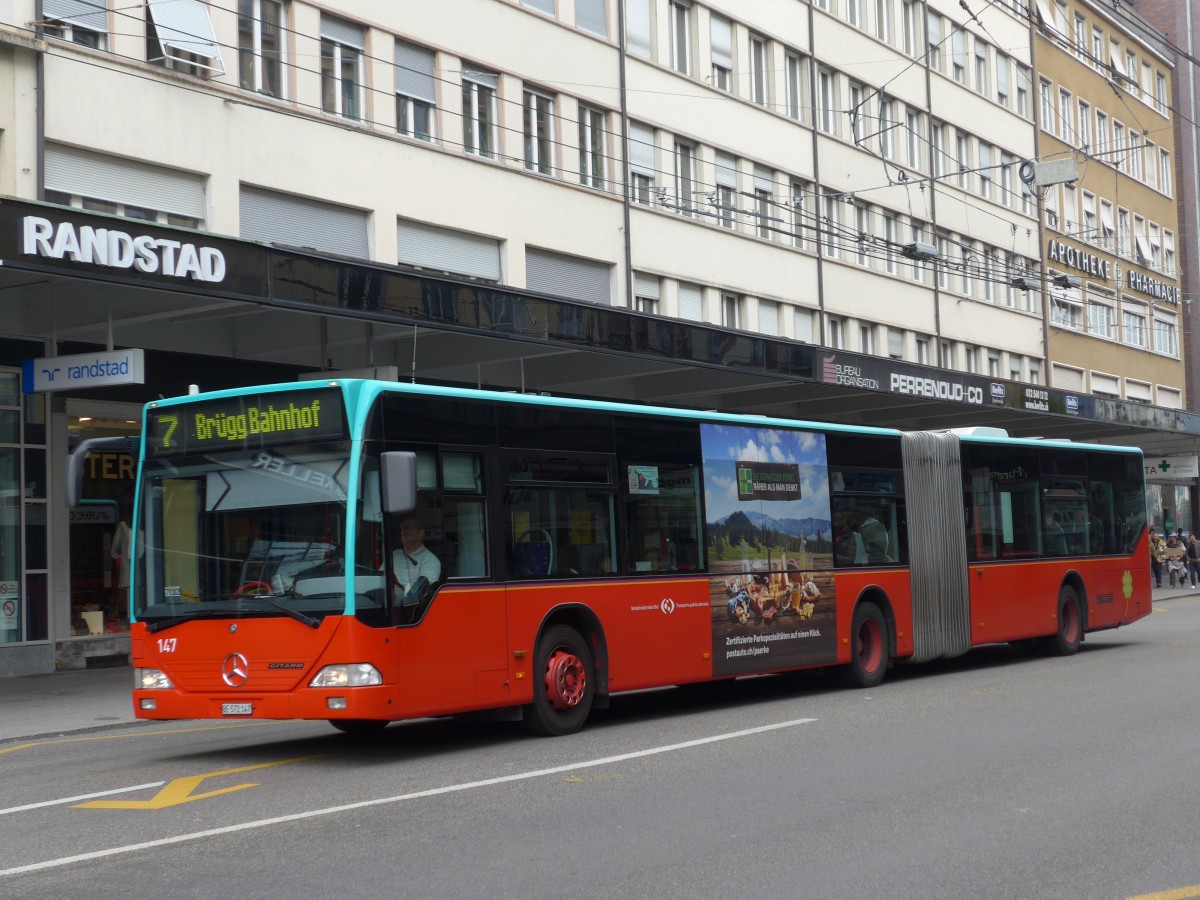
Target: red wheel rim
1070, 622
870, 645
566, 679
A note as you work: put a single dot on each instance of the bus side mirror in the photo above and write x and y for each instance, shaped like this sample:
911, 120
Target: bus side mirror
398, 481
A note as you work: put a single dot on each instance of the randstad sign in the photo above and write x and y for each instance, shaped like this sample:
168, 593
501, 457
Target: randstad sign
116, 249
85, 370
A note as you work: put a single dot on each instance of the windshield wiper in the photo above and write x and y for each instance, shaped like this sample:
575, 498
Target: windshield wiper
294, 613
164, 624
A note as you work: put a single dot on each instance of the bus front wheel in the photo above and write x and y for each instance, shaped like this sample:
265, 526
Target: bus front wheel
869, 647
563, 684
1066, 640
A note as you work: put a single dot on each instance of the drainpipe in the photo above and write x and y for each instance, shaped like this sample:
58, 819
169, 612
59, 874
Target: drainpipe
626, 180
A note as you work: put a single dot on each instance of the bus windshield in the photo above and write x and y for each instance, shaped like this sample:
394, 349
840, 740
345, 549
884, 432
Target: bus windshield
243, 533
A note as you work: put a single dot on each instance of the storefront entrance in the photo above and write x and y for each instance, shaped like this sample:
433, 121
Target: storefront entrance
99, 526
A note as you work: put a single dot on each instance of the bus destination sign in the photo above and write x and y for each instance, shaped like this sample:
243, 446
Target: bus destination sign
246, 423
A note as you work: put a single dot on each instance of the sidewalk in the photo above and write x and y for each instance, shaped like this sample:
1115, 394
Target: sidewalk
47, 705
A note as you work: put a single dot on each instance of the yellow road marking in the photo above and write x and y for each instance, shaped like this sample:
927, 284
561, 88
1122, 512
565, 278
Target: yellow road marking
1185, 893
141, 734
180, 790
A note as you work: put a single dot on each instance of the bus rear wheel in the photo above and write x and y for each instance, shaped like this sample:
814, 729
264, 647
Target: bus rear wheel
1066, 640
869, 647
563, 686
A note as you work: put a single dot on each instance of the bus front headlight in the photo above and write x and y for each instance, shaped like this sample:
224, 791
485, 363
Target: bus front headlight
347, 675
151, 680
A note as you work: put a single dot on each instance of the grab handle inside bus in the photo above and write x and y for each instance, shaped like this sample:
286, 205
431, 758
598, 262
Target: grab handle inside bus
398, 481
79, 455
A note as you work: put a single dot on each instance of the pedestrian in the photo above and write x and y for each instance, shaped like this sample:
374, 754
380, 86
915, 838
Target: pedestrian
1193, 559
1157, 550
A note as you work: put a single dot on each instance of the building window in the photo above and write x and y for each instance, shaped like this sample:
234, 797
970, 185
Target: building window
1101, 134
795, 80
1080, 37
933, 48
341, 68
946, 355
1022, 91
866, 339
970, 360
77, 23
1168, 253
887, 126
762, 209
798, 204
731, 310
641, 162
768, 317
1133, 326
958, 56
837, 332
1083, 130
827, 101
1164, 172
721, 31
914, 138
591, 147
883, 20
1124, 235
829, 225
862, 222
938, 150
986, 173
759, 67
537, 119
802, 322
179, 36
1160, 93
857, 126
922, 348
646, 290
1101, 320
128, 210
1066, 118
910, 14
480, 136
416, 91
1165, 337
1046, 107
260, 46
1002, 79
685, 176
982, 84
1089, 232
895, 343
891, 237
726, 196
962, 162
680, 28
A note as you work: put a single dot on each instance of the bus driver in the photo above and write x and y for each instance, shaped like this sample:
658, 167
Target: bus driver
413, 560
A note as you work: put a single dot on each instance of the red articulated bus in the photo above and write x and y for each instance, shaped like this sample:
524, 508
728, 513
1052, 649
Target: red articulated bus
365, 552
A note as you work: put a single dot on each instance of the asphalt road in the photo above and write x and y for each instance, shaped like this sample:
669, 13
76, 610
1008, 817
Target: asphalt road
998, 775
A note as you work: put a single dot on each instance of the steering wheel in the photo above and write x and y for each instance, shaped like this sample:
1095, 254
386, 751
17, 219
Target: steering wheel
253, 587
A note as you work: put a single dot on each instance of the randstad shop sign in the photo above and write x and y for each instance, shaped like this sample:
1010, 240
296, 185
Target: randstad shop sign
116, 249
85, 370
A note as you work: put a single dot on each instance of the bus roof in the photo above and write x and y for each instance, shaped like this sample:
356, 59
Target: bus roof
362, 392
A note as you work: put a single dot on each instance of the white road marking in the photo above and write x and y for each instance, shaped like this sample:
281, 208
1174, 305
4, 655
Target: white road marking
64, 800
400, 798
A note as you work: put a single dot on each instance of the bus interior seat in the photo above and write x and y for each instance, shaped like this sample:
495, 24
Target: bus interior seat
533, 555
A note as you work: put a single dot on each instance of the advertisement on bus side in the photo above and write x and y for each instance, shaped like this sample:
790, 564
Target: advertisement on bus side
770, 552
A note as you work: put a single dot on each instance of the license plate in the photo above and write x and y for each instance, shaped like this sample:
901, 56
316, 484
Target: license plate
237, 709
